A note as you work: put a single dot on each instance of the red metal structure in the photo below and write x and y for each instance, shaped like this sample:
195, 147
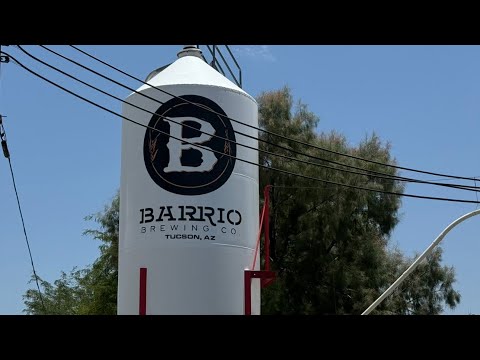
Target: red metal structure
266, 276
142, 306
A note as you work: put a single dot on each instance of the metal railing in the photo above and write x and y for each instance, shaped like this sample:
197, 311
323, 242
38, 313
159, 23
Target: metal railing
216, 53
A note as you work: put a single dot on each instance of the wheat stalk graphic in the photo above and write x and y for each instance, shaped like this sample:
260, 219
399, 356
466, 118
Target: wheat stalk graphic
152, 146
226, 148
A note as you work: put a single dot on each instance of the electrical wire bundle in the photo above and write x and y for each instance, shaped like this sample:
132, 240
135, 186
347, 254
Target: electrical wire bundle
319, 161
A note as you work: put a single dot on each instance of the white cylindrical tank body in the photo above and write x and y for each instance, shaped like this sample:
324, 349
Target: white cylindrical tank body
188, 215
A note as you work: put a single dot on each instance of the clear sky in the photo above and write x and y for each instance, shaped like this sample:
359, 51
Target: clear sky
424, 100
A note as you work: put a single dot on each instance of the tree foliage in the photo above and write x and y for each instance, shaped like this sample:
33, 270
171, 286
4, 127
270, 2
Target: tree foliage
330, 244
426, 291
89, 291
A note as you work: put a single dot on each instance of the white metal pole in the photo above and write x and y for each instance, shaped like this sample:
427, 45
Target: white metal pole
418, 260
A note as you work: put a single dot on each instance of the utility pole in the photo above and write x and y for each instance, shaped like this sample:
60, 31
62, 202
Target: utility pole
3, 57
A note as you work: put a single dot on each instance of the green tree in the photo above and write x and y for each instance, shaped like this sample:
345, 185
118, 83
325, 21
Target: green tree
329, 243
89, 291
425, 291
64, 297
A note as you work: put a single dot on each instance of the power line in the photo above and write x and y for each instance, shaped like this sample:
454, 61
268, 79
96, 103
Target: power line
6, 153
447, 179
223, 154
296, 187
476, 195
263, 130
233, 157
367, 172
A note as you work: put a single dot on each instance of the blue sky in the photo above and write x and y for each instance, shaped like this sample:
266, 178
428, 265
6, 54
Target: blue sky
424, 100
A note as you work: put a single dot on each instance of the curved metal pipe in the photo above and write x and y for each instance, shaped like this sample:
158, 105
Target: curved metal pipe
418, 260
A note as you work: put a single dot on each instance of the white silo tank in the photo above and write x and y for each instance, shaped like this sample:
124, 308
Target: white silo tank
188, 216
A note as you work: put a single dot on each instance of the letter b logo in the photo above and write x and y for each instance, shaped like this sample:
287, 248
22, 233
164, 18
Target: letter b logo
184, 168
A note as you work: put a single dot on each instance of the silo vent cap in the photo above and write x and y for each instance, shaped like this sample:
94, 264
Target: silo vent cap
190, 50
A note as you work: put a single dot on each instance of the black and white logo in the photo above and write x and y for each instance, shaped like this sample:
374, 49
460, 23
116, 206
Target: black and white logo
179, 166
